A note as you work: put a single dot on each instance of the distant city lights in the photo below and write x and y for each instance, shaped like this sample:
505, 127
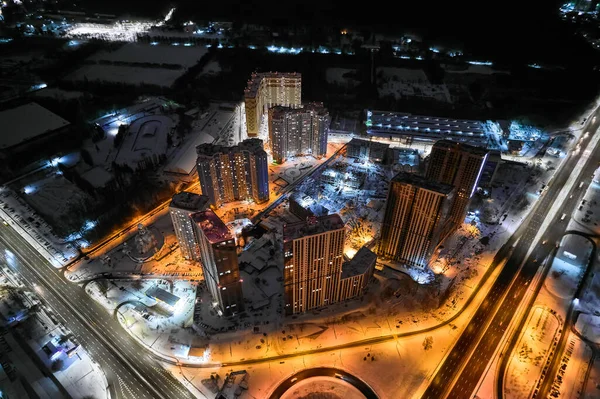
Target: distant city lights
486, 63
38, 87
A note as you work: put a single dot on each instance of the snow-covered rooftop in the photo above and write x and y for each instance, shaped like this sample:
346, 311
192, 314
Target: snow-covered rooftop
360, 263
186, 161
311, 226
414, 180
162, 295
97, 177
212, 226
27, 122
189, 201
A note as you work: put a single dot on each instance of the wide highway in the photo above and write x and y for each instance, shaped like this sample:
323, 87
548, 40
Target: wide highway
461, 371
130, 369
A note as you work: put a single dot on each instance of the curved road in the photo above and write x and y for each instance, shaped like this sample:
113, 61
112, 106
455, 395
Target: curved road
324, 372
460, 373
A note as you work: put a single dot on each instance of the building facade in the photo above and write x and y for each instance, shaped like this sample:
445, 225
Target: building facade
182, 205
233, 173
218, 256
265, 90
313, 257
356, 274
298, 131
461, 166
415, 215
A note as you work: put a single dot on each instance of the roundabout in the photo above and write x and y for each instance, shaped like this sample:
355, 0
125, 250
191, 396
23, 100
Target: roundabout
323, 383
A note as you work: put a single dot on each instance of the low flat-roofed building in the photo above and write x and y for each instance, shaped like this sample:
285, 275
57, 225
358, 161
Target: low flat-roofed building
162, 296
366, 149
26, 126
356, 274
398, 125
303, 206
185, 162
98, 177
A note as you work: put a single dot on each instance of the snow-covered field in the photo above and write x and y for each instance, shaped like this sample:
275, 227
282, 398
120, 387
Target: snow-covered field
211, 68
336, 76
531, 352
37, 232
59, 94
126, 74
407, 83
80, 375
160, 54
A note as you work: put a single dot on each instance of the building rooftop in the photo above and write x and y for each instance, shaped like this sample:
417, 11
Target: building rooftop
162, 295
385, 123
213, 228
97, 177
27, 122
185, 162
461, 147
367, 143
409, 178
251, 145
189, 201
317, 107
361, 262
311, 226
256, 79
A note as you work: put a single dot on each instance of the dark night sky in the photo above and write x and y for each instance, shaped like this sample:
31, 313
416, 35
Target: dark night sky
506, 29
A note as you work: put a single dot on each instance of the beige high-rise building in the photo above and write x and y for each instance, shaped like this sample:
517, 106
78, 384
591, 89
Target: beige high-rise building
313, 259
265, 90
459, 165
298, 131
182, 205
415, 214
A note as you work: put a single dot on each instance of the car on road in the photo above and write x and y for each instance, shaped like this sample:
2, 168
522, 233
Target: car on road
294, 379
564, 215
544, 242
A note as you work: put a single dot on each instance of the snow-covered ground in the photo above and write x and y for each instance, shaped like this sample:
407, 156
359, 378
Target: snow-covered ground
17, 214
132, 75
166, 262
586, 217
79, 374
536, 345
328, 387
575, 364
336, 76
146, 53
531, 353
59, 94
407, 83
211, 68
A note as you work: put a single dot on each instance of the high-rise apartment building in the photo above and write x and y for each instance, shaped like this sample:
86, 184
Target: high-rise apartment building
294, 131
415, 215
233, 173
313, 258
265, 90
459, 165
182, 205
218, 256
